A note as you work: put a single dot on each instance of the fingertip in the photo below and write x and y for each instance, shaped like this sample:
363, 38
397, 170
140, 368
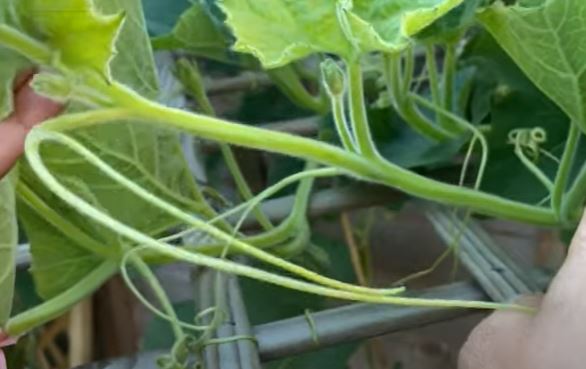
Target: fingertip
495, 342
578, 244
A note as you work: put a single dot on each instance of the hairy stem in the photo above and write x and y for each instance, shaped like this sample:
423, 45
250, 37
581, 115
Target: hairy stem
188, 73
160, 293
561, 180
58, 305
374, 171
39, 134
404, 105
342, 123
219, 264
359, 118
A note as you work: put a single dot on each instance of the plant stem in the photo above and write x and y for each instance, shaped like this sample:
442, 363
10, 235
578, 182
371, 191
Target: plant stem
408, 71
36, 136
160, 293
353, 249
342, 123
25, 45
33, 142
58, 305
561, 180
289, 82
403, 104
375, 171
358, 115
434, 84
216, 129
243, 187
67, 229
189, 74
449, 75
537, 172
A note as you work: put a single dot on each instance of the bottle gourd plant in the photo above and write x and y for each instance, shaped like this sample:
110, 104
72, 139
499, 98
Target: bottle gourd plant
104, 184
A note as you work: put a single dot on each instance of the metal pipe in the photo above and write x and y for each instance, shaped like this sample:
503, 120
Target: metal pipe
358, 321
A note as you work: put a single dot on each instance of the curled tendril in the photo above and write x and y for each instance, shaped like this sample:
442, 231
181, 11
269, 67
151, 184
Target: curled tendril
529, 140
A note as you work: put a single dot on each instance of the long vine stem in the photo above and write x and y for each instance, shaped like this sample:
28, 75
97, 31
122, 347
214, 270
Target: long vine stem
32, 151
375, 171
37, 136
134, 106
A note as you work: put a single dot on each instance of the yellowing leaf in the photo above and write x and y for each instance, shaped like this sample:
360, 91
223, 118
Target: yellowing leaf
81, 37
547, 40
280, 31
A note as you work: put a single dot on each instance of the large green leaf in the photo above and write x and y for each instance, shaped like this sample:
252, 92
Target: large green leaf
450, 27
278, 32
69, 26
197, 33
148, 155
509, 101
547, 39
8, 241
10, 64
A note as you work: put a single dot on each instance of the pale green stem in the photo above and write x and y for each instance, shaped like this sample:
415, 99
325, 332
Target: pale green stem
39, 134
283, 143
342, 123
408, 71
561, 181
58, 305
32, 148
289, 82
146, 272
242, 185
434, 84
190, 76
449, 76
27, 46
358, 114
538, 173
404, 105
463, 125
67, 229
262, 139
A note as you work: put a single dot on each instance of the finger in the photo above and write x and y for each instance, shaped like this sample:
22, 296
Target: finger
497, 341
22, 79
12, 137
32, 109
567, 293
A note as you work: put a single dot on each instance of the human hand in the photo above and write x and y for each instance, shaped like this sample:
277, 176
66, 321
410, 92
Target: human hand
30, 109
553, 338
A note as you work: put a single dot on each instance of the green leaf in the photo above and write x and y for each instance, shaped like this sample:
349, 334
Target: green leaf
450, 27
8, 242
197, 33
511, 101
69, 27
546, 39
161, 16
278, 32
148, 155
10, 64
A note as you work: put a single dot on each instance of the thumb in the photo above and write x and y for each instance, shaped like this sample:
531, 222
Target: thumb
567, 293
